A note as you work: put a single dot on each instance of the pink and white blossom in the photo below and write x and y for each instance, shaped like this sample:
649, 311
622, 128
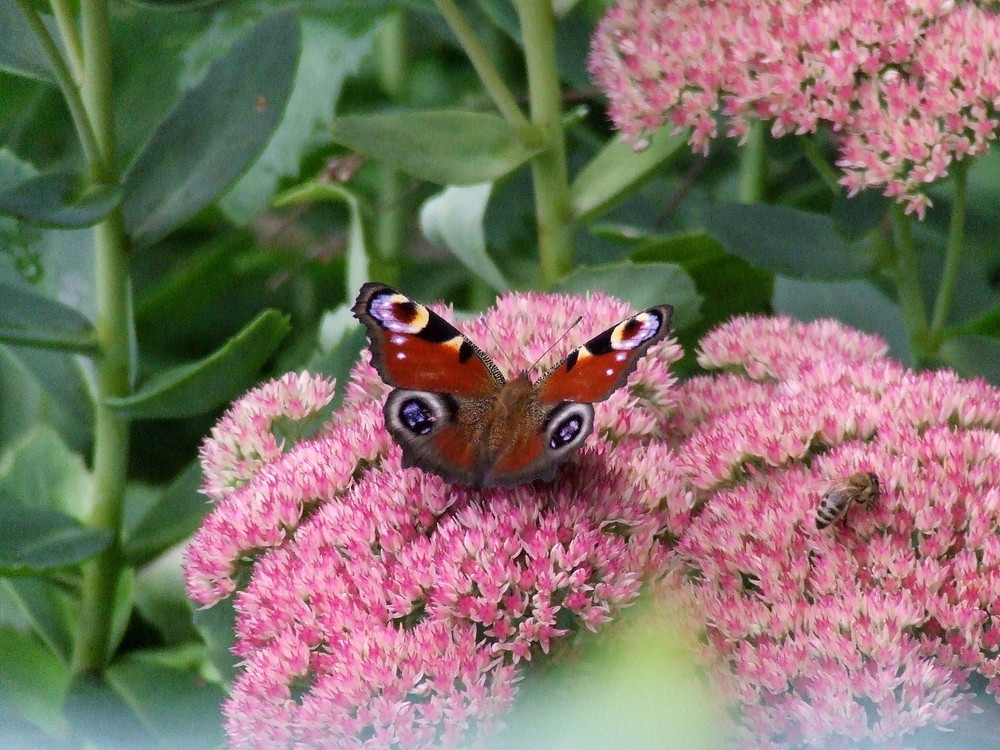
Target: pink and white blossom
907, 86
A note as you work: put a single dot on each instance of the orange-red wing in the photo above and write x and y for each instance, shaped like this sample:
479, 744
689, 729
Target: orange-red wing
522, 460
415, 348
598, 368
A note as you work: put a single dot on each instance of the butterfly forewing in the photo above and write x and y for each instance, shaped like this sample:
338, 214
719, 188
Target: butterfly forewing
598, 368
413, 347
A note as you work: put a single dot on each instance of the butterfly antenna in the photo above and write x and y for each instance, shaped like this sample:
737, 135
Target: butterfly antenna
553, 344
506, 356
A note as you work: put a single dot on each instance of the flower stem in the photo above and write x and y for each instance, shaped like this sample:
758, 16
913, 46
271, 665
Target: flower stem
911, 300
548, 168
953, 257
113, 325
67, 84
390, 221
488, 74
751, 189
826, 172
66, 21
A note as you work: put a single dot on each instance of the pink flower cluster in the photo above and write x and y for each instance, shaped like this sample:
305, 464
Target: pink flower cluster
871, 628
908, 85
386, 608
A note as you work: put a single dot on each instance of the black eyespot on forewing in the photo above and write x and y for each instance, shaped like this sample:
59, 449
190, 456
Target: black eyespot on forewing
404, 312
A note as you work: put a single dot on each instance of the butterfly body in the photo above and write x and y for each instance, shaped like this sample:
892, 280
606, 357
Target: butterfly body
455, 415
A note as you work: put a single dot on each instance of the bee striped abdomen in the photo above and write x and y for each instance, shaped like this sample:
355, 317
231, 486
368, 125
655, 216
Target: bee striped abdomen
862, 488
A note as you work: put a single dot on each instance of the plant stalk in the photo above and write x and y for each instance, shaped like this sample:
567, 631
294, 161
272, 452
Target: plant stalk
480, 59
68, 86
905, 273
548, 168
953, 255
752, 155
101, 576
390, 222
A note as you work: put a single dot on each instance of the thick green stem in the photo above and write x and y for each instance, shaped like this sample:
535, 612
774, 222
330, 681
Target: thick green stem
752, 156
112, 327
390, 221
548, 168
488, 74
953, 257
905, 272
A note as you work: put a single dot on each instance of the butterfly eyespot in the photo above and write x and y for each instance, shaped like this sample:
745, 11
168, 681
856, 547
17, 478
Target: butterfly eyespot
398, 313
416, 416
416, 413
635, 331
568, 426
566, 431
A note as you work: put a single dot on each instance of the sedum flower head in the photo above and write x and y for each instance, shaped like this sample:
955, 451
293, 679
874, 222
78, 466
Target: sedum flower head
384, 607
872, 627
908, 86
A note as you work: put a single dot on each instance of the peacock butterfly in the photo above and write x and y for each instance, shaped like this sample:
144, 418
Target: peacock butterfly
455, 415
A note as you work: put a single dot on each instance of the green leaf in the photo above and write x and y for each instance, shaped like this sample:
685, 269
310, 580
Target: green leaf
855, 217
44, 387
161, 598
617, 170
357, 253
987, 324
99, 714
728, 285
217, 626
49, 611
20, 52
34, 320
175, 704
33, 680
200, 386
214, 133
643, 285
170, 520
36, 539
856, 303
972, 356
454, 219
449, 147
332, 51
40, 472
121, 610
340, 342
789, 242
56, 200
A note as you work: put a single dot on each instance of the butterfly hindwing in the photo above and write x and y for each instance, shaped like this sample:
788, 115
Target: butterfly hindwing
597, 369
415, 348
434, 435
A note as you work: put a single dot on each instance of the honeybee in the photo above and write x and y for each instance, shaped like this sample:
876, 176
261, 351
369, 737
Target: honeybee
862, 488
